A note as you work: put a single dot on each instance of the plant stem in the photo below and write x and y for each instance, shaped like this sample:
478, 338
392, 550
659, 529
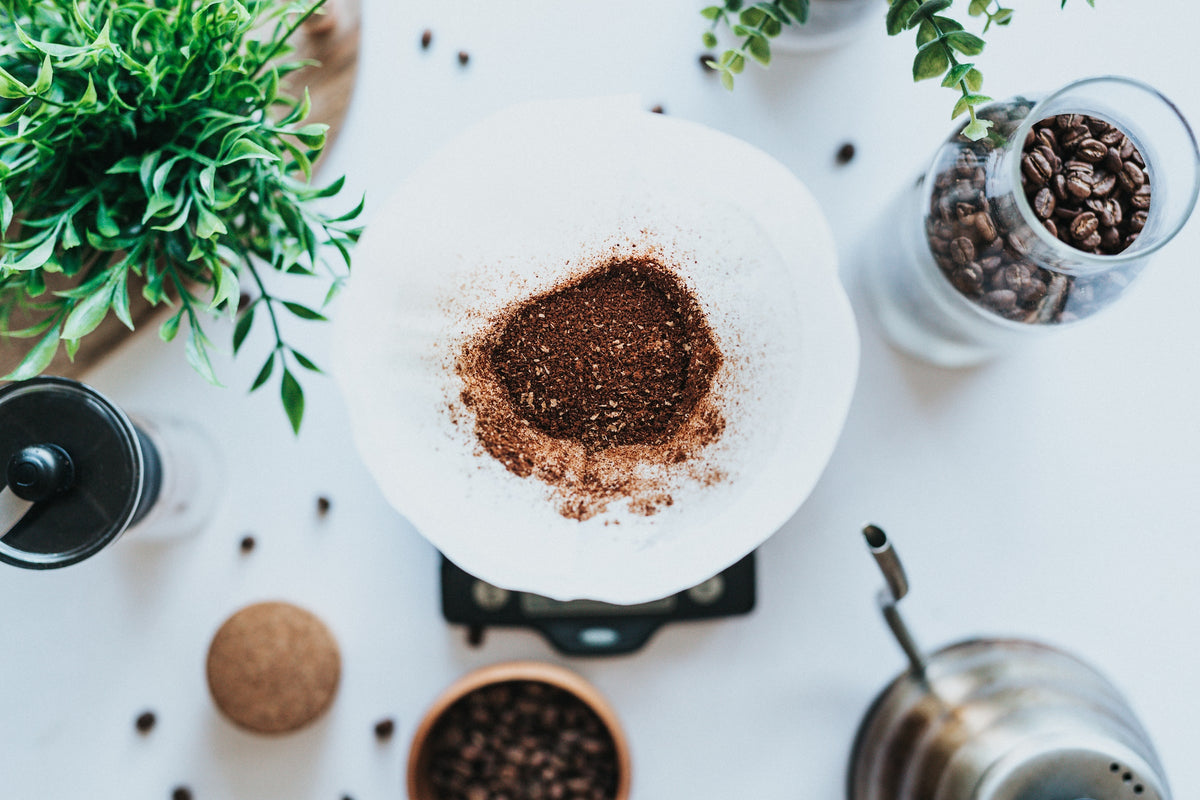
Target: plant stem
284, 39
962, 84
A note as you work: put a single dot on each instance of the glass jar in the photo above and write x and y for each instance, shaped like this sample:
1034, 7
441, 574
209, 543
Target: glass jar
1016, 235
830, 23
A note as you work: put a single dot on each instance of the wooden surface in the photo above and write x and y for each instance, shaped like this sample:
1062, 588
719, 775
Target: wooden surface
332, 41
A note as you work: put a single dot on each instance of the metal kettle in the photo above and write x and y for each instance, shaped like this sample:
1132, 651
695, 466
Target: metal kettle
996, 719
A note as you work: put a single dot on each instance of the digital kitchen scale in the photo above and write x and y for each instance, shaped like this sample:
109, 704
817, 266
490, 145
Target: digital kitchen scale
590, 627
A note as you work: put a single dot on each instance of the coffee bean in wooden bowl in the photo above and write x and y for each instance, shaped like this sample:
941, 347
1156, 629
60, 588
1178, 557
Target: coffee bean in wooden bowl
519, 730
273, 668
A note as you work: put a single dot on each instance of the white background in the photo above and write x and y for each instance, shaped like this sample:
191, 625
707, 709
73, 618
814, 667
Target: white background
1052, 494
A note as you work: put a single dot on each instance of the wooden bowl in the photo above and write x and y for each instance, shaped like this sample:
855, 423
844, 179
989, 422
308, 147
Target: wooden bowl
419, 786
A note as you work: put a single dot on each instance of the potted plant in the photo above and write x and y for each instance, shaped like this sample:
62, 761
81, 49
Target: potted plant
146, 149
943, 44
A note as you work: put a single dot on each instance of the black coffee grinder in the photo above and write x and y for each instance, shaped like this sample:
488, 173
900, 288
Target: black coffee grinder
77, 473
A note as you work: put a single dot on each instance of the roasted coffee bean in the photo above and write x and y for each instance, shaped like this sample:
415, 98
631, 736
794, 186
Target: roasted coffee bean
1051, 226
1137, 221
1113, 160
1079, 187
1091, 150
1131, 176
1051, 158
1091, 242
246, 544
1141, 198
1084, 226
985, 226
1001, 299
1059, 185
145, 722
1103, 184
1043, 136
1065, 121
1072, 136
845, 153
426, 39
1126, 147
1111, 136
962, 250
1031, 292
1043, 203
1136, 157
1110, 238
1036, 168
968, 279
384, 729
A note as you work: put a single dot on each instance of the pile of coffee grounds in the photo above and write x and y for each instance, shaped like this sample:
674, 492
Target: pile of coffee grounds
621, 357
600, 387
518, 740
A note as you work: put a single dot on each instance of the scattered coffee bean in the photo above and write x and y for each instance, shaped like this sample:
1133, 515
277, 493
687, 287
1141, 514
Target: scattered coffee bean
1084, 180
656, 110
384, 729
243, 300
845, 153
426, 39
463, 57
323, 506
145, 722
704, 60
475, 635
247, 544
521, 739
181, 793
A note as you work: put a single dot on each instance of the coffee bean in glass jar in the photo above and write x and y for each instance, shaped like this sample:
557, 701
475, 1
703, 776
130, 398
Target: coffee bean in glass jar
1044, 221
521, 740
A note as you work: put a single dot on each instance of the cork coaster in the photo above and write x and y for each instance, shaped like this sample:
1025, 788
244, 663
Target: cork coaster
273, 668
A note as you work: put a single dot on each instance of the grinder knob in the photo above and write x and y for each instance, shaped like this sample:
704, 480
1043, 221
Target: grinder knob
40, 471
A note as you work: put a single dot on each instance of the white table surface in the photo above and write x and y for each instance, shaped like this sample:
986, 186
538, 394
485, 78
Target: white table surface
1051, 494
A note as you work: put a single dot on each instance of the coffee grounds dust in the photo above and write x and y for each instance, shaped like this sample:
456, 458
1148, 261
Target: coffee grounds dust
598, 387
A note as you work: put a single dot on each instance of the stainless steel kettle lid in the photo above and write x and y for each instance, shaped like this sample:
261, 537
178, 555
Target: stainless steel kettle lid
73, 469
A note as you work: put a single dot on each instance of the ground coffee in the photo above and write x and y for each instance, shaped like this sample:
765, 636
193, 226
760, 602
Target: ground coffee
600, 387
620, 357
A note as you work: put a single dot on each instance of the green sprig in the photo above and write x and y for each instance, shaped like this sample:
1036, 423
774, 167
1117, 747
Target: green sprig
940, 40
145, 146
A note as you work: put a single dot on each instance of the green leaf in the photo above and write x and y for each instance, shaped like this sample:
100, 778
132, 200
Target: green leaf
45, 77
208, 224
88, 313
709, 39
88, 97
727, 80
931, 61
977, 129
38, 255
974, 80
105, 225
196, 351
927, 10
6, 212
120, 300
37, 359
170, 327
977, 7
349, 215
293, 399
1003, 16
759, 49
242, 328
246, 150
899, 14
305, 361
264, 373
711, 12
303, 312
966, 43
312, 135
957, 73
10, 87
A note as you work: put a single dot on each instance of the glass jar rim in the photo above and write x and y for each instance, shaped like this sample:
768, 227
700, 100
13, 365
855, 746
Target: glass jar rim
1092, 262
